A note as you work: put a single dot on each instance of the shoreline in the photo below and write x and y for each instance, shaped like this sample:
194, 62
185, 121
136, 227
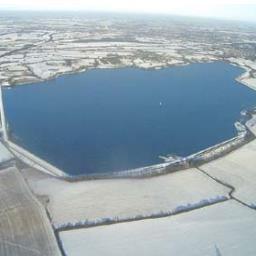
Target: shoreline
181, 163
78, 71
246, 78
168, 166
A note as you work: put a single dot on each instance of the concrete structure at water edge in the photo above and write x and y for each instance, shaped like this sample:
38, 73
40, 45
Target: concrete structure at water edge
209, 209
45, 212
21, 153
25, 228
3, 120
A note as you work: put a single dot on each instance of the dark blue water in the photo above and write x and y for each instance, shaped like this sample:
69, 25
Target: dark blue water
109, 120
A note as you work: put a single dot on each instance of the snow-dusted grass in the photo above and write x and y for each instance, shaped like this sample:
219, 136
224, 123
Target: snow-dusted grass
251, 124
239, 170
96, 201
249, 81
24, 227
5, 155
249, 66
227, 229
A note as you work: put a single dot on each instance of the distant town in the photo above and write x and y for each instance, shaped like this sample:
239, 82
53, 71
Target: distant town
36, 49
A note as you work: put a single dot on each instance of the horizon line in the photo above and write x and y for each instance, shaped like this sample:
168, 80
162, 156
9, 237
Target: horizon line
226, 19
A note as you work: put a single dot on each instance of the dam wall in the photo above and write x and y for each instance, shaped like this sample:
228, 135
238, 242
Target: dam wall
180, 163
170, 164
33, 160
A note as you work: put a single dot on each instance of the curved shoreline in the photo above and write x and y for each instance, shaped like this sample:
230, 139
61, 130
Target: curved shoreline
243, 78
197, 159
170, 165
194, 160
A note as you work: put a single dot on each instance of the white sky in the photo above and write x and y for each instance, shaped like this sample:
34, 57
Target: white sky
230, 9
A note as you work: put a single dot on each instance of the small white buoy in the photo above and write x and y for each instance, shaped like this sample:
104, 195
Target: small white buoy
160, 104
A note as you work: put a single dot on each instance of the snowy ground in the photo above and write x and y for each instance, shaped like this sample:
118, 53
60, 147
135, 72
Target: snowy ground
5, 155
226, 229
100, 200
251, 124
237, 169
36, 49
206, 225
25, 229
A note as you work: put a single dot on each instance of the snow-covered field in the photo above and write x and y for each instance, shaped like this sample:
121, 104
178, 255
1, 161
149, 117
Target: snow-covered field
248, 81
96, 201
47, 48
39, 49
237, 169
226, 229
25, 229
251, 124
5, 155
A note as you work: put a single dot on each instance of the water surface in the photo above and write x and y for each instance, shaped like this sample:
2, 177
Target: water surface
118, 119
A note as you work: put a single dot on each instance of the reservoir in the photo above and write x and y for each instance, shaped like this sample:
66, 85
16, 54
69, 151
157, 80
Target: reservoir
106, 120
